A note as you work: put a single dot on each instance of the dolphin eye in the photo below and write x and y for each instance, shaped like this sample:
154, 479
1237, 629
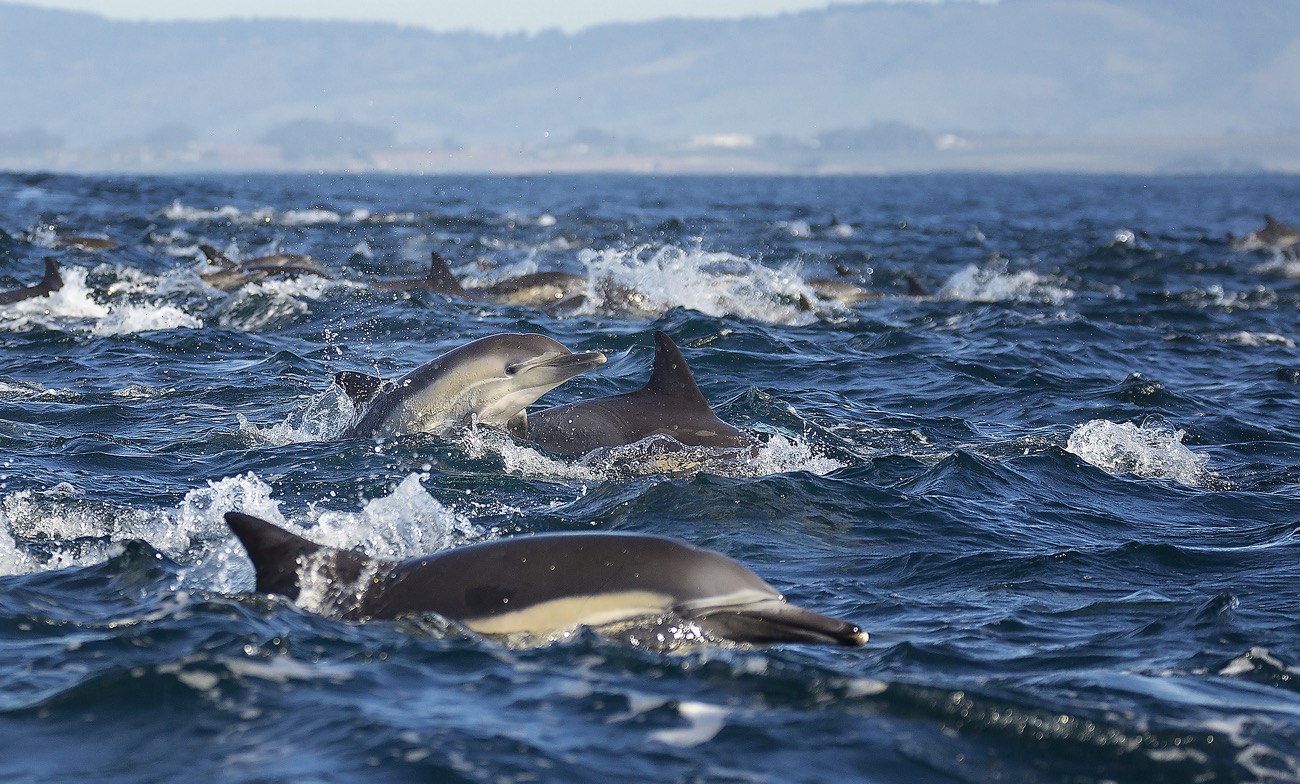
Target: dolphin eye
511, 370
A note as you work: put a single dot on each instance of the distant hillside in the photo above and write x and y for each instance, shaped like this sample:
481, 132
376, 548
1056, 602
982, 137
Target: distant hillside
1056, 68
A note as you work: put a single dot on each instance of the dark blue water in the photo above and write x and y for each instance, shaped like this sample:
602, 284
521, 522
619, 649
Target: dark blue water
1061, 493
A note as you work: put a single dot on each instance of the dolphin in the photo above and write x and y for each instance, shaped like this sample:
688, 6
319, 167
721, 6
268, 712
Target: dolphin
51, 240
49, 284
535, 289
489, 381
232, 275
1274, 236
670, 404
542, 585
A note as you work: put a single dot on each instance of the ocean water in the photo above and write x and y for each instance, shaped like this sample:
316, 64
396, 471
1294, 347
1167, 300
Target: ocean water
1061, 492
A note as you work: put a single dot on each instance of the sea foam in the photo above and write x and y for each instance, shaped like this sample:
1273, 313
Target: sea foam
1153, 451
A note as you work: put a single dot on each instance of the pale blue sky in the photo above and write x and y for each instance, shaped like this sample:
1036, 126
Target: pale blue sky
492, 16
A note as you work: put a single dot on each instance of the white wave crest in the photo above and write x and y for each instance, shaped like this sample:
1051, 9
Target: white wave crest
74, 308
1257, 339
654, 280
72, 530
1147, 451
324, 417
406, 523
130, 319
994, 284
312, 217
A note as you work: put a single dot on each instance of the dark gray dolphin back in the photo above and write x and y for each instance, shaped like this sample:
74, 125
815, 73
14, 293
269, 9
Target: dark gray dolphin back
507, 575
670, 403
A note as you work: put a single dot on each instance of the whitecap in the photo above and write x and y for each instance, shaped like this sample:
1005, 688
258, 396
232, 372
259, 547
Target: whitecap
705, 722
179, 212
656, 454
713, 283
1153, 451
323, 417
75, 531
994, 284
311, 217
1257, 339
130, 319
403, 524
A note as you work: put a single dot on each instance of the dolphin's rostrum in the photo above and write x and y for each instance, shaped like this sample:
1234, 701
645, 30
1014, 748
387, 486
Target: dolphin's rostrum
544, 585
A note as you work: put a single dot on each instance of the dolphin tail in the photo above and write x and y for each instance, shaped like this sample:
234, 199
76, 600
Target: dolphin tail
52, 281
273, 551
777, 621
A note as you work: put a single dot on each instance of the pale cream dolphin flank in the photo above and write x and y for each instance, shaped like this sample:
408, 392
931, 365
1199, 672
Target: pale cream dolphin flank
489, 382
542, 585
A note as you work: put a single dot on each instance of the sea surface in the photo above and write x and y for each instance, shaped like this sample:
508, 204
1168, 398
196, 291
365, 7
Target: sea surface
1061, 491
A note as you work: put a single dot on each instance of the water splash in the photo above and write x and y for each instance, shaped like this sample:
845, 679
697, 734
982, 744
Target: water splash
995, 284
61, 528
1153, 451
655, 280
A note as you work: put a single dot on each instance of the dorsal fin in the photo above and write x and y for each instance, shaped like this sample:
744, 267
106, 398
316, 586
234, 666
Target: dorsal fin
273, 551
914, 287
52, 281
217, 257
671, 377
442, 278
359, 387
1270, 221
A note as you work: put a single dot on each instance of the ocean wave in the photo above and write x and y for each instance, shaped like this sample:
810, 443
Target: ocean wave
994, 283
1151, 451
654, 280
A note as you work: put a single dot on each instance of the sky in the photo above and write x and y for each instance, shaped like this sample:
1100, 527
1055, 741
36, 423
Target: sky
489, 16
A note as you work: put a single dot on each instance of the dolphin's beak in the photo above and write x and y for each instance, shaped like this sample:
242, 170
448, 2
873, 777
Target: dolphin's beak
570, 364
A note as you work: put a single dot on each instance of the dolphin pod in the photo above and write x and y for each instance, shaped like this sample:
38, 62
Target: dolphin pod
544, 585
49, 284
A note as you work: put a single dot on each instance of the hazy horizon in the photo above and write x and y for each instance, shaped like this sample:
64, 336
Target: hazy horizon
494, 17
1116, 85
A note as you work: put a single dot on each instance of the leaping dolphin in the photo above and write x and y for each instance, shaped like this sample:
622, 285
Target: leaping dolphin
670, 403
543, 585
51, 283
489, 381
